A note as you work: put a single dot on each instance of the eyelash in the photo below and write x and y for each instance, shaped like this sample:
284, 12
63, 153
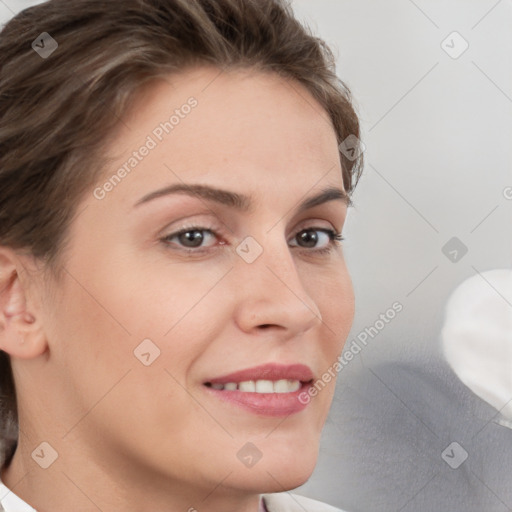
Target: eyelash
335, 239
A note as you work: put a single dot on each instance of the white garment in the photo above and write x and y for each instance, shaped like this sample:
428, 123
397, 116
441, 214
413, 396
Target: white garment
9, 502
280, 502
477, 337
286, 502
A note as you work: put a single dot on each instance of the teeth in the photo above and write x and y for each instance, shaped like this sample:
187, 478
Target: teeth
247, 385
285, 386
261, 386
264, 386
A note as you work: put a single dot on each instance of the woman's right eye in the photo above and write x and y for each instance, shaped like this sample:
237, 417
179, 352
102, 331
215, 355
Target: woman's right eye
190, 238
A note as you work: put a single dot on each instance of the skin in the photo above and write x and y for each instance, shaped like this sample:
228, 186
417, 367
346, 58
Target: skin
134, 437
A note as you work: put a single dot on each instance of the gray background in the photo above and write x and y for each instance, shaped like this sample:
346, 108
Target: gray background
438, 134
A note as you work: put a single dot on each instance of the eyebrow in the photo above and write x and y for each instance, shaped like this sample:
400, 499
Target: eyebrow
242, 202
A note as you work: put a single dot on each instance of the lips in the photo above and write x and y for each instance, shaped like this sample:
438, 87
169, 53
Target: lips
270, 389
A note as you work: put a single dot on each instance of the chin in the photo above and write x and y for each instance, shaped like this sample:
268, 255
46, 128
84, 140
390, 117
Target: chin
293, 477
281, 467
277, 478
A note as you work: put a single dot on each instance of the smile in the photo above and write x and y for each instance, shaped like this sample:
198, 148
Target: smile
267, 390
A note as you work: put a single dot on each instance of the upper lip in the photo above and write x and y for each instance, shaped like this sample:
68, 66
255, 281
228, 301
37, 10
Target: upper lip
270, 371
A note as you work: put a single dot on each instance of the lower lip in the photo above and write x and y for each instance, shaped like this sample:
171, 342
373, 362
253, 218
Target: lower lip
267, 404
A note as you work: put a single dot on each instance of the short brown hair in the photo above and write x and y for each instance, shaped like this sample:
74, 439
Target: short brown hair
58, 113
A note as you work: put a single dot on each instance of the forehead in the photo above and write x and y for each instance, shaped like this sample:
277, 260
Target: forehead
245, 126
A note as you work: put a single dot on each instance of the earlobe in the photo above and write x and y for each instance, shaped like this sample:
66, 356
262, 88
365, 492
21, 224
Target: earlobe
21, 333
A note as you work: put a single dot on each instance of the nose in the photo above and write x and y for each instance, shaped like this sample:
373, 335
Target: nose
271, 294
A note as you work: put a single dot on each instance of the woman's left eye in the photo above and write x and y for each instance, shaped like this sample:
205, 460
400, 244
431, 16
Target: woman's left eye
191, 239
310, 238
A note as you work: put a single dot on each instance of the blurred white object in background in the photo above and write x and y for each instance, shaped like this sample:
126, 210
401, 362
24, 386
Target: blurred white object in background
477, 338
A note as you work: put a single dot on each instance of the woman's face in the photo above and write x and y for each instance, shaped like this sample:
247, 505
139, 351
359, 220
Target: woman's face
146, 320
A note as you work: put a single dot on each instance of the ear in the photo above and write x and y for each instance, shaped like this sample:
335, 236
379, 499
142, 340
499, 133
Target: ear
21, 333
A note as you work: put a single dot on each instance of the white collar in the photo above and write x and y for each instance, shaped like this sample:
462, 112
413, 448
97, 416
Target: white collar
10, 502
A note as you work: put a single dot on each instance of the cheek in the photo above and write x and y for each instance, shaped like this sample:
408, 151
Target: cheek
333, 293
336, 302
87, 338
102, 326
